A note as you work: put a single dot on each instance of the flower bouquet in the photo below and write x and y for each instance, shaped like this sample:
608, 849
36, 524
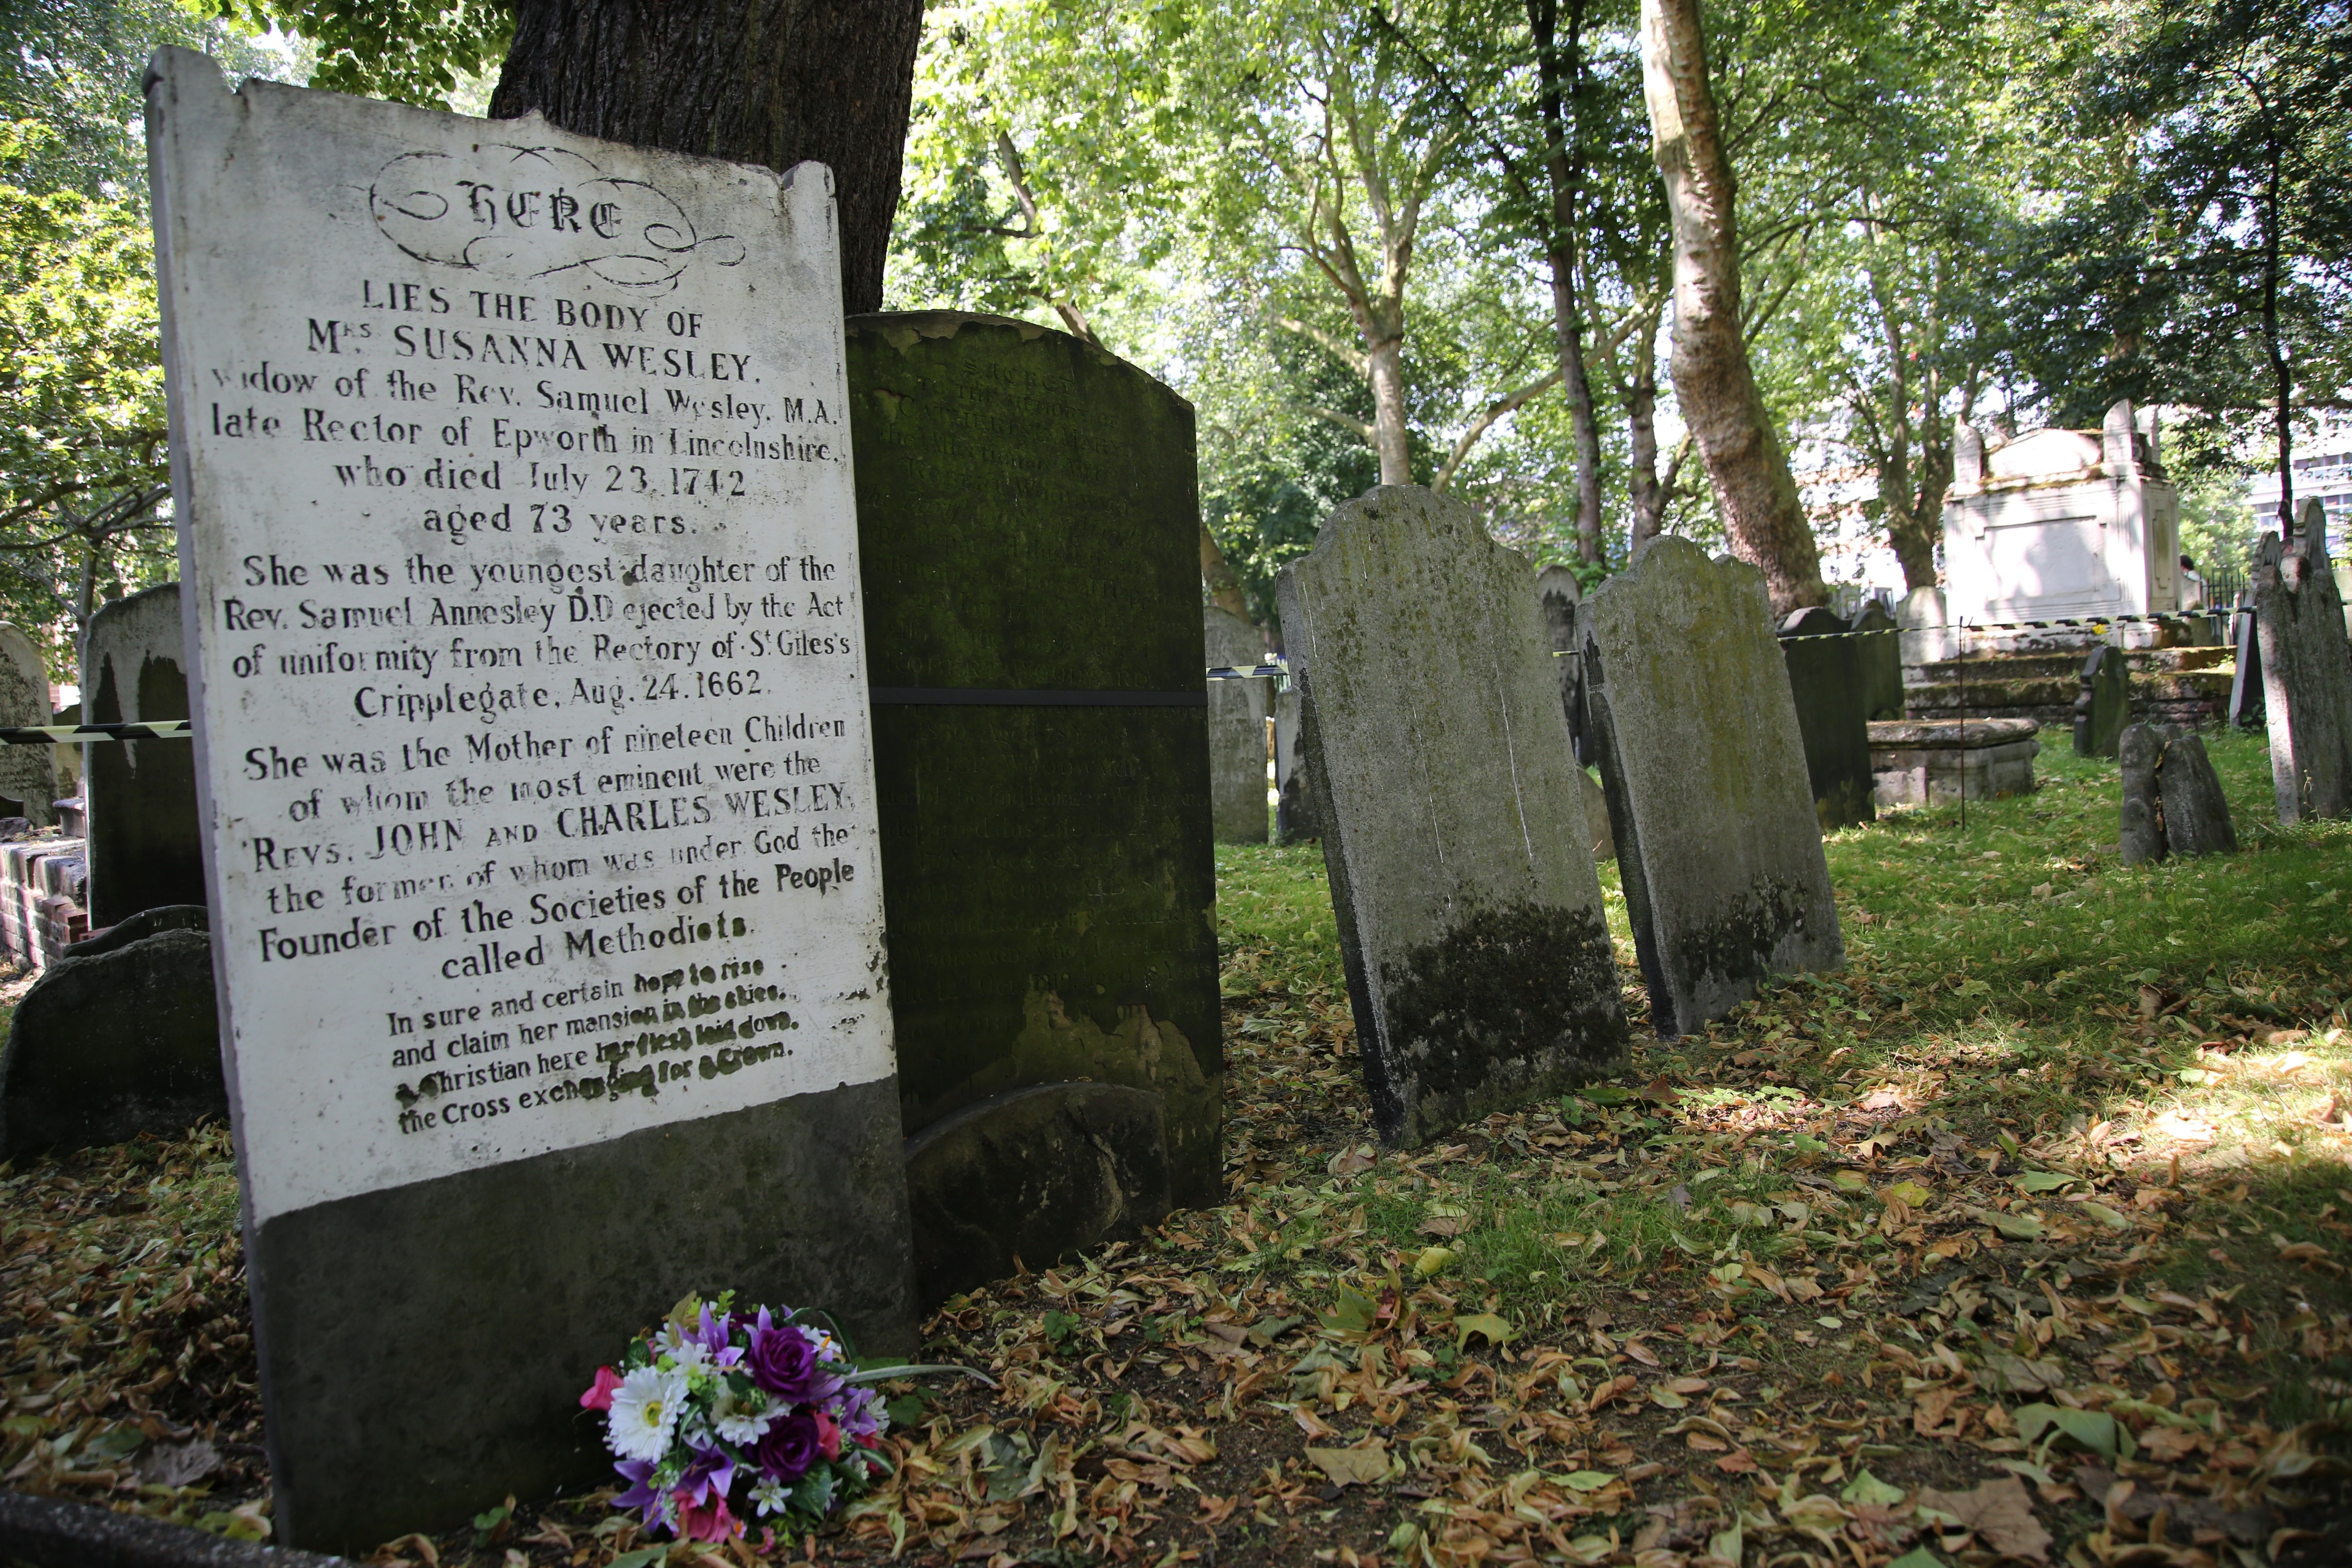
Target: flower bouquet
716, 1413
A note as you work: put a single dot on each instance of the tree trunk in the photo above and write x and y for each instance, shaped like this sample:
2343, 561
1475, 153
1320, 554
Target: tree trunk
1384, 359
1646, 496
1563, 167
759, 82
1714, 382
1224, 587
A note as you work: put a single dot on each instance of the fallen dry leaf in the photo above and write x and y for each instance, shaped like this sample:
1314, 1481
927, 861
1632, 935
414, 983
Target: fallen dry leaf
1352, 1467
2000, 1511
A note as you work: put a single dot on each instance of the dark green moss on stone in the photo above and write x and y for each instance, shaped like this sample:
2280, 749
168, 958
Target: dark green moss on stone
1028, 521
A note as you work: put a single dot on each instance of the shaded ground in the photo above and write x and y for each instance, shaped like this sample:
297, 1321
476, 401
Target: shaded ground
2023, 1235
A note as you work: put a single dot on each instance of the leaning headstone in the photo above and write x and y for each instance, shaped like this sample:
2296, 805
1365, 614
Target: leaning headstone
1596, 818
27, 772
2245, 711
2139, 749
117, 1038
2102, 706
2307, 672
1878, 663
2196, 811
1471, 925
1030, 523
1823, 661
1560, 593
145, 846
1237, 715
1293, 809
521, 584
1718, 842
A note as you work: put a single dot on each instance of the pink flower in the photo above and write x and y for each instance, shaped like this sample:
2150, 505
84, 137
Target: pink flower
713, 1522
828, 1434
600, 1392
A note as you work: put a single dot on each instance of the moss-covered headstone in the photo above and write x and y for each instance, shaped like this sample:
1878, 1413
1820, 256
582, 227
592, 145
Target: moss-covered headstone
1454, 821
1029, 532
1825, 677
1717, 837
145, 848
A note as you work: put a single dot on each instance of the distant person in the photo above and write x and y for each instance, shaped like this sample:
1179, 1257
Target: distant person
2192, 587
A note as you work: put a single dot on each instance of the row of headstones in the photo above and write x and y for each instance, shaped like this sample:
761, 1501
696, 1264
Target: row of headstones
1843, 674
1440, 768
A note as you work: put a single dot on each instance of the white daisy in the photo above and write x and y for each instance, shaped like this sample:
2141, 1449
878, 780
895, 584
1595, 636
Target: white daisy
645, 1413
742, 1423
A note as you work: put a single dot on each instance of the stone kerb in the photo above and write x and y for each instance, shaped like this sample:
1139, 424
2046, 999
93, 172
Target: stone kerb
1455, 828
2307, 672
1935, 761
1716, 839
1237, 714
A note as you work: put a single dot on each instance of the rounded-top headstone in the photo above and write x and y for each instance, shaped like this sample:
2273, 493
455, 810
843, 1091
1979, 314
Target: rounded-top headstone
1453, 824
1029, 529
145, 846
1717, 837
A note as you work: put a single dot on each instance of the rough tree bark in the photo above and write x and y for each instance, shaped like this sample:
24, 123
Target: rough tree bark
1225, 586
1714, 384
760, 81
1564, 170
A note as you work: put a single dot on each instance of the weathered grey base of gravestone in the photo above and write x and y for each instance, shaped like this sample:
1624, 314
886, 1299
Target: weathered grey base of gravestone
2307, 672
145, 846
119, 1037
1069, 1165
1470, 919
797, 1201
50, 1532
1718, 842
1030, 534
1825, 678
2102, 706
1237, 715
2172, 799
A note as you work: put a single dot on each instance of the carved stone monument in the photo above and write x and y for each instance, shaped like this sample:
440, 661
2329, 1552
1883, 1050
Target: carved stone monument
1237, 715
1455, 830
1031, 538
1718, 841
522, 582
1878, 663
2172, 799
146, 850
2307, 672
2061, 524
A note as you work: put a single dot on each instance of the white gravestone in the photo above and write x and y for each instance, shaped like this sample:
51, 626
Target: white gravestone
525, 651
2061, 524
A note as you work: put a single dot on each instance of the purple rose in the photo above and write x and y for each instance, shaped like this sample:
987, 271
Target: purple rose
789, 1447
783, 1361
